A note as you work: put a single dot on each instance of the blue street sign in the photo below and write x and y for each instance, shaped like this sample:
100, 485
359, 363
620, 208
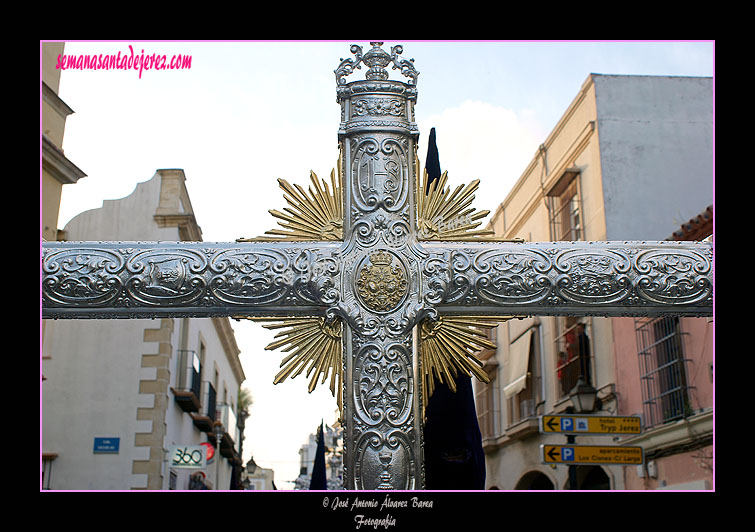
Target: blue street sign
106, 445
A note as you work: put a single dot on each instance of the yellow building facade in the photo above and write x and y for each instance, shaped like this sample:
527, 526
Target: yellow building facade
57, 170
613, 168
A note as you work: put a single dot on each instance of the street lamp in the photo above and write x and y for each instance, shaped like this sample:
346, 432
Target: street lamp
583, 396
217, 429
251, 467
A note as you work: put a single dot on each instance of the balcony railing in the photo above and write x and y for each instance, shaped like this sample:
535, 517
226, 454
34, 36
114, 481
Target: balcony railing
227, 417
206, 415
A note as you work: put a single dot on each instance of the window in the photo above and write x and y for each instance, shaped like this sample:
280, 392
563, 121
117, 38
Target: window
216, 378
663, 375
486, 401
564, 207
523, 376
188, 381
486, 395
573, 355
47, 459
189, 371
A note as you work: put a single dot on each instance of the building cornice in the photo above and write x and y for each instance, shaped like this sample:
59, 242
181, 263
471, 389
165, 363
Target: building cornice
188, 230
551, 176
55, 163
174, 208
562, 166
51, 98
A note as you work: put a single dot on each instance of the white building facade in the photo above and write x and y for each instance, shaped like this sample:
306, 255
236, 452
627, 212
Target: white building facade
119, 395
333, 441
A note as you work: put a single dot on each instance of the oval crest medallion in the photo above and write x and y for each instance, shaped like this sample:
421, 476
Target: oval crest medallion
381, 281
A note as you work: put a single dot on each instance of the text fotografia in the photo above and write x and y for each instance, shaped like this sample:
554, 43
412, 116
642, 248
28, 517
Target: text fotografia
127, 61
374, 522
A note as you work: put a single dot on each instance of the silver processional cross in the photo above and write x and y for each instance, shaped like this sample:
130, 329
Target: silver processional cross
374, 283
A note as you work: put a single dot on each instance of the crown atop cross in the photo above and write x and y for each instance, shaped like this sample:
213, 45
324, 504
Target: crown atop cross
376, 59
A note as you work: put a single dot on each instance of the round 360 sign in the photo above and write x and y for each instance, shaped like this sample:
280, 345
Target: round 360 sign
188, 457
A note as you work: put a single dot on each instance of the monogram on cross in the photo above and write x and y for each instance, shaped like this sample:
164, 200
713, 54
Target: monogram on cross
379, 282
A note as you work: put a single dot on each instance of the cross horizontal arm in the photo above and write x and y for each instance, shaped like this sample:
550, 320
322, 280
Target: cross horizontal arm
185, 279
570, 278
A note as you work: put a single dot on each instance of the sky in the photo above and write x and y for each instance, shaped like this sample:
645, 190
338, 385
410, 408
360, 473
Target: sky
247, 113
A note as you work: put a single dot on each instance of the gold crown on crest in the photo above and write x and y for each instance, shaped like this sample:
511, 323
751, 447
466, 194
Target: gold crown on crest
381, 258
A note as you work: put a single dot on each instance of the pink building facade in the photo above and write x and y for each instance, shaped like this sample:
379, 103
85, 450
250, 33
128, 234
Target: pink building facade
664, 372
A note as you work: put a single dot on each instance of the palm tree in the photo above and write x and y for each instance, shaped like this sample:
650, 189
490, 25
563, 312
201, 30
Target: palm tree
244, 404
245, 401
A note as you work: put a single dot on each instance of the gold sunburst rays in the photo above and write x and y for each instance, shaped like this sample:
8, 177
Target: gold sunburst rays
314, 346
449, 345
315, 214
443, 215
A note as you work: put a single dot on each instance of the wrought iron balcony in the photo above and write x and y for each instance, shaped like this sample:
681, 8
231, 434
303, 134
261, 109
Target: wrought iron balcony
204, 418
227, 417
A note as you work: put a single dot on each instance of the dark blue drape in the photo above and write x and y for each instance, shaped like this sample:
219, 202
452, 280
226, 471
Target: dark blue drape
454, 459
318, 481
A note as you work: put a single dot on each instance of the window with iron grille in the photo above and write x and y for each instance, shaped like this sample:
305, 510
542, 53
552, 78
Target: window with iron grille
663, 376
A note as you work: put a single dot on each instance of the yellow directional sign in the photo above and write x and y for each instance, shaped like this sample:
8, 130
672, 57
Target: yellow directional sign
590, 454
579, 424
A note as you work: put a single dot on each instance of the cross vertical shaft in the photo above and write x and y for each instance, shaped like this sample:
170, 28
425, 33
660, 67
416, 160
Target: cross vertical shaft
378, 141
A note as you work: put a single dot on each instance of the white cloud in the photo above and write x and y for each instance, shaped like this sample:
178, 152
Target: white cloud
479, 140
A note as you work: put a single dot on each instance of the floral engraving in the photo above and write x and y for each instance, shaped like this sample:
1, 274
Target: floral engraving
171, 279
377, 107
574, 278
